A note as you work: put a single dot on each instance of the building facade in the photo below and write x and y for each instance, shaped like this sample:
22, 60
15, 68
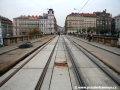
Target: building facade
48, 24
76, 22
103, 22
6, 27
24, 24
117, 22
89, 22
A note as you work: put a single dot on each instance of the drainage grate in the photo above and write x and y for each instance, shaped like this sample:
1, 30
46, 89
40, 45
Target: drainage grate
63, 64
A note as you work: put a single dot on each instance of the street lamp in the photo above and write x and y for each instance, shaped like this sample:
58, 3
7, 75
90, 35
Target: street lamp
78, 17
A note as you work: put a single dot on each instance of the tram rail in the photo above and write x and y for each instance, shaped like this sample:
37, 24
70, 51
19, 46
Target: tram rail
78, 74
109, 74
41, 79
4, 70
14, 72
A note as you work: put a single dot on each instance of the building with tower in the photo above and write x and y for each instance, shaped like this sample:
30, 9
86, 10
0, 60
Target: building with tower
48, 23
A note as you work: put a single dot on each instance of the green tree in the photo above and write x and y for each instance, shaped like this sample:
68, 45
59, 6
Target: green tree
34, 31
83, 30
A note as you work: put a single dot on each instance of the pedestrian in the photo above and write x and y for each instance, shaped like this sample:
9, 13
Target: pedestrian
59, 33
89, 37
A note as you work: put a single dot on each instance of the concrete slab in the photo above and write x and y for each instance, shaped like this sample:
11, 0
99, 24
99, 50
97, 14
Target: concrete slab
61, 48
39, 60
48, 48
95, 77
25, 79
6, 74
47, 79
82, 60
74, 80
60, 79
60, 54
51, 65
60, 59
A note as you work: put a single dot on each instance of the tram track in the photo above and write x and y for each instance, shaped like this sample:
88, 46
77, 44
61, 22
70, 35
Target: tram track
41, 79
109, 74
36, 70
29, 59
8, 67
102, 54
78, 74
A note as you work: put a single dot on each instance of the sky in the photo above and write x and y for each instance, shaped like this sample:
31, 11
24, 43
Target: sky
15, 8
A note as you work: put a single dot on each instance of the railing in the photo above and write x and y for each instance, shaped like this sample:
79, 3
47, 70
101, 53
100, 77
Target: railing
111, 41
18, 39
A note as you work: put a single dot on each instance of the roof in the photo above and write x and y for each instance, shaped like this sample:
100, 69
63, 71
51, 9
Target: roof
74, 14
37, 17
88, 14
5, 20
83, 14
28, 17
44, 17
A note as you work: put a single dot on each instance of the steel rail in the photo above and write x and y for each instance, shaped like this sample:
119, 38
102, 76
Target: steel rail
14, 72
41, 79
78, 74
95, 62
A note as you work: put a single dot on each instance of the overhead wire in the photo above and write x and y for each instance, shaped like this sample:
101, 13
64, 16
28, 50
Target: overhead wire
84, 5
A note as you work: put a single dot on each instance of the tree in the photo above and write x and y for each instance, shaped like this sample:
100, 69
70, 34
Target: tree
113, 31
83, 30
106, 30
34, 31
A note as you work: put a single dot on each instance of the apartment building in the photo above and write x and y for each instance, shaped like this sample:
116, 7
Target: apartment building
6, 27
80, 22
89, 21
103, 22
117, 22
24, 24
46, 24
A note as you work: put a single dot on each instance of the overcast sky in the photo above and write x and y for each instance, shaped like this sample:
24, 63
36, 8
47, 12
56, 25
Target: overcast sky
15, 8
